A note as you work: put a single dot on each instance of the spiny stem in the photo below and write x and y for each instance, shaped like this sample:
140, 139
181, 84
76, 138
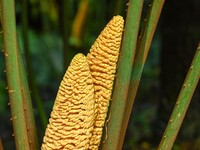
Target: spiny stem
27, 103
143, 46
182, 103
13, 74
126, 58
35, 93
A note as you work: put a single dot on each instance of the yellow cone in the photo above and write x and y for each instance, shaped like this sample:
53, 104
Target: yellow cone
71, 123
102, 60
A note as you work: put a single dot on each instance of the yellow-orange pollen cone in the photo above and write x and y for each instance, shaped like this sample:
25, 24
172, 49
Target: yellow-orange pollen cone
102, 60
72, 119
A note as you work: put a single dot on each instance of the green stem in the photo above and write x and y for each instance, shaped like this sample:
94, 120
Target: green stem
35, 94
182, 103
13, 74
124, 74
143, 46
30, 120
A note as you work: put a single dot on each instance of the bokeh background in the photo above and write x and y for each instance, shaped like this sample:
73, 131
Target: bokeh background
171, 53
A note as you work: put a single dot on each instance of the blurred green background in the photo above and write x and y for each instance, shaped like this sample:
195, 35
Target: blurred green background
54, 38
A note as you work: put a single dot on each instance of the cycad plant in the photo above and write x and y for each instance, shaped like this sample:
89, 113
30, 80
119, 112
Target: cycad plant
91, 110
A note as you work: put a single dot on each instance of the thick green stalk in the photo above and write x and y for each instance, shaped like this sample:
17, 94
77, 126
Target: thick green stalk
182, 103
126, 58
13, 74
30, 120
143, 46
35, 94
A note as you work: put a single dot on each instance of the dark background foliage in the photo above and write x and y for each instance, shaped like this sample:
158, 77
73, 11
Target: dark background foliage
171, 52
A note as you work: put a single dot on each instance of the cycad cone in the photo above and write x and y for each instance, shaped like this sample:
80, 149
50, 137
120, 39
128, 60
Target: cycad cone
102, 60
72, 118
81, 105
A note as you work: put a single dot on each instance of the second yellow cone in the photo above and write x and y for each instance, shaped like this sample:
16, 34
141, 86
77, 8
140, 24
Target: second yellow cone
102, 60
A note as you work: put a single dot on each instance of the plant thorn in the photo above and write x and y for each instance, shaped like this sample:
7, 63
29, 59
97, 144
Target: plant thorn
106, 137
179, 114
14, 118
11, 91
6, 55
